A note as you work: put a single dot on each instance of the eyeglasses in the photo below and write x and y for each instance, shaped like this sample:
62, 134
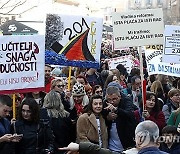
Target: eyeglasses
100, 91
112, 100
60, 86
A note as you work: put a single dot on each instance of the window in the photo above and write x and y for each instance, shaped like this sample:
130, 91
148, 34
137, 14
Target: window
159, 2
148, 2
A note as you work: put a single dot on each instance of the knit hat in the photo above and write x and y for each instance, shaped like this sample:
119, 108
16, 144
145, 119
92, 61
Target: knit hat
78, 89
115, 84
56, 71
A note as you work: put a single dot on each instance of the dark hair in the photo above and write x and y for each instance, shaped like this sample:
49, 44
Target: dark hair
152, 78
104, 74
148, 96
109, 79
82, 77
89, 109
6, 100
48, 65
135, 72
170, 130
122, 69
33, 107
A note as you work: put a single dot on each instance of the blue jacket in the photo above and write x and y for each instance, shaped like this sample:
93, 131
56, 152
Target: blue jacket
5, 147
151, 150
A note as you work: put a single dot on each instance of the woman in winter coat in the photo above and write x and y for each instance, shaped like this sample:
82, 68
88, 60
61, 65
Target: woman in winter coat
91, 125
59, 120
152, 111
37, 137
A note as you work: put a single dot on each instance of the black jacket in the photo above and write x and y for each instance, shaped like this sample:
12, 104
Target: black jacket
125, 122
36, 137
63, 132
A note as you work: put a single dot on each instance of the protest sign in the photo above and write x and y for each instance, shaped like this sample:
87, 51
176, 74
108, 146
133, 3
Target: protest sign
21, 63
128, 61
171, 52
76, 40
156, 66
138, 28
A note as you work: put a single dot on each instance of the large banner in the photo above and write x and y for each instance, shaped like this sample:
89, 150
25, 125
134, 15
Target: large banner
171, 52
21, 63
138, 28
73, 40
156, 66
128, 61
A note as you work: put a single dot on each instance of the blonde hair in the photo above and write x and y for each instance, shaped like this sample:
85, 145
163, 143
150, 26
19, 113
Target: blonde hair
54, 82
161, 78
156, 87
54, 106
172, 92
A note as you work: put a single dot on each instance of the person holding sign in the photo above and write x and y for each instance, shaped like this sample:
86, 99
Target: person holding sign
152, 111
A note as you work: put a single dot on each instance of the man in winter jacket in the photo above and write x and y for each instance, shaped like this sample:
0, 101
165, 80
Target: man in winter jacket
120, 120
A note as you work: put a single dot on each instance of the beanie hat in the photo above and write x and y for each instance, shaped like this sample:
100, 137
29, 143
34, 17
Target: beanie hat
78, 89
56, 71
115, 84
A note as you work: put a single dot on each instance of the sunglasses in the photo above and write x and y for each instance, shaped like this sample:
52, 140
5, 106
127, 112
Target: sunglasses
60, 86
99, 91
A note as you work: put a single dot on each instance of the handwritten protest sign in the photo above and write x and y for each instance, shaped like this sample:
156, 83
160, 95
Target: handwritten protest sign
171, 52
156, 66
137, 28
76, 40
21, 63
128, 61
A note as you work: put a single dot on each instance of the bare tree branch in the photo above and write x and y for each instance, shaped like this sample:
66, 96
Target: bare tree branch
5, 4
11, 5
16, 6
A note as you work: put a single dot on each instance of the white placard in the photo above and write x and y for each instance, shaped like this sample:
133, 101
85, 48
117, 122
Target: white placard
138, 28
128, 61
156, 66
22, 61
171, 52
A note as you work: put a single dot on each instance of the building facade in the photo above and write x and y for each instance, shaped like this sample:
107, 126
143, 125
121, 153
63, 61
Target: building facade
171, 8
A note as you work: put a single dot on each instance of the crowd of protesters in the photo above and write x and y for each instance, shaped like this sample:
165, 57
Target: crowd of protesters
100, 106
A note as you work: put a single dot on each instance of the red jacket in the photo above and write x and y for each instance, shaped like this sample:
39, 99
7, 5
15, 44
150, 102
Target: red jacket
48, 85
158, 118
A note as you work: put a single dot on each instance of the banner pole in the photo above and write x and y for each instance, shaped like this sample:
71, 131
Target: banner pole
14, 107
143, 81
69, 79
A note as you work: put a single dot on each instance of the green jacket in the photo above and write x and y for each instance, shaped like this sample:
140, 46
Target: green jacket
174, 119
